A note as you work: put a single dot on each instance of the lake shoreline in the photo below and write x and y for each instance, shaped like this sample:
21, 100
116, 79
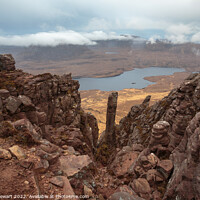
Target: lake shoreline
125, 79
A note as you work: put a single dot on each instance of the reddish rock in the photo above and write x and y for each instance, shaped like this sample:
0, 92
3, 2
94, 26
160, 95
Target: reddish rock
51, 157
165, 167
159, 135
24, 124
68, 191
123, 160
41, 166
125, 188
73, 164
57, 180
141, 187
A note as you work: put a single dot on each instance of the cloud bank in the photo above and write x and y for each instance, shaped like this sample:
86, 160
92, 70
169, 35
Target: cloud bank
59, 37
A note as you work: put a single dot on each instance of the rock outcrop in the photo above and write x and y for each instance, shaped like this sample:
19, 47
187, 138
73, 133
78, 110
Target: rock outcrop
51, 146
7, 62
168, 161
110, 117
41, 120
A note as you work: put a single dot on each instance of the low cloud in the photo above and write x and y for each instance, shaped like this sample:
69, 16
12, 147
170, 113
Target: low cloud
180, 33
60, 37
196, 38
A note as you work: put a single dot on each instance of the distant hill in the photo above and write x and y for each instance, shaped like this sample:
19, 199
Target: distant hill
99, 61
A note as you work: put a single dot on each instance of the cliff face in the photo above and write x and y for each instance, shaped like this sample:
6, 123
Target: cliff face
157, 147
41, 113
48, 145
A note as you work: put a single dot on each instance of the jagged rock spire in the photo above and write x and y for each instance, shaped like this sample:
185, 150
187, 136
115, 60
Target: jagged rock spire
110, 117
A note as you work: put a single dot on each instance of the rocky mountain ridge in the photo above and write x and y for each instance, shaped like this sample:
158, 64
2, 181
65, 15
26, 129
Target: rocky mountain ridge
49, 146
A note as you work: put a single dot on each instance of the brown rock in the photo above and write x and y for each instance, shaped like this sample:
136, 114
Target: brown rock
125, 188
69, 151
73, 164
12, 104
67, 190
4, 154
141, 186
58, 181
41, 166
152, 159
49, 147
110, 117
25, 125
165, 167
4, 93
26, 101
151, 176
156, 195
122, 162
51, 157
18, 152
7, 62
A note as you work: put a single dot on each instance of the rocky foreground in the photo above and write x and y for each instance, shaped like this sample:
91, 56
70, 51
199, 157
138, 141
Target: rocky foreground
49, 147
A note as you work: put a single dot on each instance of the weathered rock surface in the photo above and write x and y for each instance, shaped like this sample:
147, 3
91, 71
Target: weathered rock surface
5, 154
7, 62
110, 118
49, 145
18, 152
58, 181
72, 164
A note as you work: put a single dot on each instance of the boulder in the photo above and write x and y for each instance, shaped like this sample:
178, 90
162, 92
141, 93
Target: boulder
4, 154
141, 187
123, 160
12, 104
26, 101
18, 152
26, 126
72, 164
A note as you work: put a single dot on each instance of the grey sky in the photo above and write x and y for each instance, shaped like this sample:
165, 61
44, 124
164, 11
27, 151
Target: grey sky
178, 20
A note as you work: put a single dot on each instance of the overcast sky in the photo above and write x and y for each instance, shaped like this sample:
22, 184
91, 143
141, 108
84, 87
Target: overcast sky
25, 22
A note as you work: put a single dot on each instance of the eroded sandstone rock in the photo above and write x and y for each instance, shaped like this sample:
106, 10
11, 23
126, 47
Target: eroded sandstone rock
5, 154
110, 117
18, 152
7, 62
72, 164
